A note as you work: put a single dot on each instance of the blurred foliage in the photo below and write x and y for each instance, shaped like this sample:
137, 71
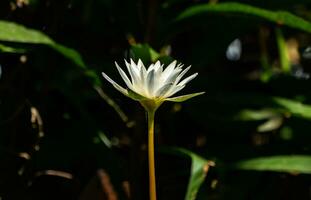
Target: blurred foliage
66, 134
294, 164
199, 169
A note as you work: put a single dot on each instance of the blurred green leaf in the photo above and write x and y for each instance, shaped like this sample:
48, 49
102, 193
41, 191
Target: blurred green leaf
144, 52
274, 118
12, 32
283, 54
250, 115
70, 54
199, 169
8, 49
285, 163
102, 138
285, 106
278, 17
294, 107
270, 125
286, 133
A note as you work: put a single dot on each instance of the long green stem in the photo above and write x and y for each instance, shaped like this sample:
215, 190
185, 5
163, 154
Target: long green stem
152, 181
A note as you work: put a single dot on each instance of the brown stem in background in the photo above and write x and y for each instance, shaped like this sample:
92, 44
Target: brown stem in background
106, 185
115, 106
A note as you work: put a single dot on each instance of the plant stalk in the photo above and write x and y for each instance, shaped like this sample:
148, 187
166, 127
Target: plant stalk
152, 180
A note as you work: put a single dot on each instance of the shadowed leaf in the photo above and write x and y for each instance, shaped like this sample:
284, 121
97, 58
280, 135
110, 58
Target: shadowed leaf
294, 107
286, 163
12, 32
199, 169
8, 49
278, 17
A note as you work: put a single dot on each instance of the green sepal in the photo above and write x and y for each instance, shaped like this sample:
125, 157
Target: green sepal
184, 97
135, 96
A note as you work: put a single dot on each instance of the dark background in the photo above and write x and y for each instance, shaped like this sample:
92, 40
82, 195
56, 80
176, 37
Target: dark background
61, 139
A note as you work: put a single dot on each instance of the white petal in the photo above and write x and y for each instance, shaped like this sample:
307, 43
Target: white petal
133, 64
186, 80
180, 65
117, 86
134, 67
173, 76
126, 63
150, 82
158, 80
134, 76
141, 64
124, 77
151, 67
182, 74
160, 92
168, 70
174, 90
157, 65
143, 75
143, 81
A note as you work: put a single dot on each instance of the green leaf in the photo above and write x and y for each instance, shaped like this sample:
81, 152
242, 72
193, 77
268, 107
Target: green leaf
278, 17
7, 49
255, 115
102, 138
270, 125
294, 107
284, 163
199, 169
184, 97
12, 32
283, 54
274, 118
71, 54
284, 107
144, 52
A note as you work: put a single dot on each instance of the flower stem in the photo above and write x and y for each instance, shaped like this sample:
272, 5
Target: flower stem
152, 182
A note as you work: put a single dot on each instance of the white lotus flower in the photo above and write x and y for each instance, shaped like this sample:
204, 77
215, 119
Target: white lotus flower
151, 87
154, 85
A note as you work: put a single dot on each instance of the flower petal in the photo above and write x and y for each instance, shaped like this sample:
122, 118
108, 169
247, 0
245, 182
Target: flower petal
150, 83
117, 86
184, 97
160, 92
186, 80
173, 76
135, 76
151, 67
141, 65
182, 74
168, 70
157, 65
157, 78
173, 90
133, 67
124, 77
